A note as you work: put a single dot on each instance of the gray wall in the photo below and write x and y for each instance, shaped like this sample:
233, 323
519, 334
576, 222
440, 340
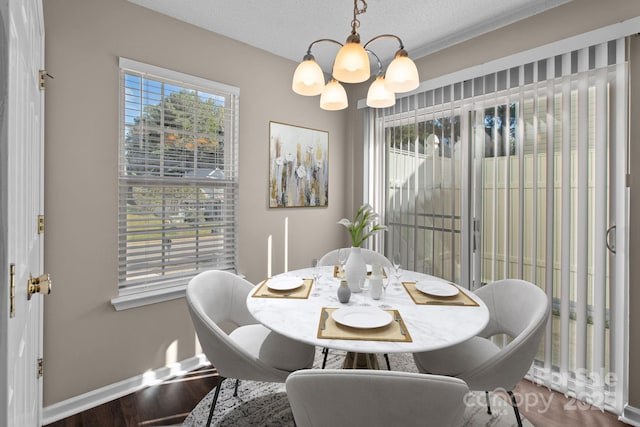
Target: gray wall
87, 344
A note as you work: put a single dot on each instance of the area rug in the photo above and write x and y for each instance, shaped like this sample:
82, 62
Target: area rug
266, 404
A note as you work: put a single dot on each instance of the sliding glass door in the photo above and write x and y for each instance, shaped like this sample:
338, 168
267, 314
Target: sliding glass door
520, 174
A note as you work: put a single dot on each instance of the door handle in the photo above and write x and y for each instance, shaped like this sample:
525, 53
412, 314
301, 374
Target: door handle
612, 248
40, 284
476, 227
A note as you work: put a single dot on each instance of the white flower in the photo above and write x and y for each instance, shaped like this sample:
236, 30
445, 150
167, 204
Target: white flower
359, 228
345, 222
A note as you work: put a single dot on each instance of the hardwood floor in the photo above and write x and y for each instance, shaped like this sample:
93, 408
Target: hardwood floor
169, 403
545, 408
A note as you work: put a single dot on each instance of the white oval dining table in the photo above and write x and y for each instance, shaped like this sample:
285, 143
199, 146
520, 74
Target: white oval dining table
430, 326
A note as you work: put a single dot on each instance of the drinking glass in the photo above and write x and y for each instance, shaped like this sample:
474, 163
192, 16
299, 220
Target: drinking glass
397, 262
316, 272
385, 283
343, 255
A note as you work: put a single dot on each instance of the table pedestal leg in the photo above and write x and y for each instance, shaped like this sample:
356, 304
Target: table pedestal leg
360, 361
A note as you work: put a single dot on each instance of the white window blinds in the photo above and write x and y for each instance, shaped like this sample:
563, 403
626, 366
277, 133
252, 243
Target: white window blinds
519, 173
178, 177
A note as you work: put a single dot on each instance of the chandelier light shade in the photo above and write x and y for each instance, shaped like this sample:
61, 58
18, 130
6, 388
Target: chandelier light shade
308, 80
334, 97
378, 95
402, 74
351, 65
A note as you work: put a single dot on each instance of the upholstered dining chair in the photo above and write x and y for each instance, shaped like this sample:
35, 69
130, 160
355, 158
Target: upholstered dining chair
370, 257
353, 397
518, 309
216, 301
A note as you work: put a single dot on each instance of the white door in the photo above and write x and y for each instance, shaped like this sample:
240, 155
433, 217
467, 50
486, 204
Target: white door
21, 202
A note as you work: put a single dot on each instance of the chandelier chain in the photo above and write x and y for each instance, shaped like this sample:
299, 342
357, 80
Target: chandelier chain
357, 11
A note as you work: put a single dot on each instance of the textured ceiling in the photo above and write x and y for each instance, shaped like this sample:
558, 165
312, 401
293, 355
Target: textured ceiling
287, 27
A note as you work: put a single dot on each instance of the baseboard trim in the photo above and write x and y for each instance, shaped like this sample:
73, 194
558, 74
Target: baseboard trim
97, 397
630, 415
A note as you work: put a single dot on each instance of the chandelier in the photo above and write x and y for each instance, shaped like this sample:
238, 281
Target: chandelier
351, 65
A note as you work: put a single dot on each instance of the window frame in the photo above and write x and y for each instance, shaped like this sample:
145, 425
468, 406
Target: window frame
140, 293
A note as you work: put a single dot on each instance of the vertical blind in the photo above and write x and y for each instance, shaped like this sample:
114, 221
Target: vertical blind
178, 177
520, 174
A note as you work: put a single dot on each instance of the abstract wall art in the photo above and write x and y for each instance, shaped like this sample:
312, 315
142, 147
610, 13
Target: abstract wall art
298, 166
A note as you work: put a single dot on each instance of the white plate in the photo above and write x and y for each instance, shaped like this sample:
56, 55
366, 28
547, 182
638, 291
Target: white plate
285, 283
437, 288
362, 317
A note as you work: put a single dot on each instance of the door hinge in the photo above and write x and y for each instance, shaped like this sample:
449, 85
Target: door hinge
40, 224
43, 74
40, 367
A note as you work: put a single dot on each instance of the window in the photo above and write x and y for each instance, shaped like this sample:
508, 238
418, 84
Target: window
178, 180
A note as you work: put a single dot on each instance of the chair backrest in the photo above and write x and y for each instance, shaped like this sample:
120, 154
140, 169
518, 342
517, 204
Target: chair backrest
370, 257
346, 397
519, 309
216, 297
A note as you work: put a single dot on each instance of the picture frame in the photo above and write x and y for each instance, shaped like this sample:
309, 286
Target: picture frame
298, 166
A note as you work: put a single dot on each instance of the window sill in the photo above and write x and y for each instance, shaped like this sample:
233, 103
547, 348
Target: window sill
140, 298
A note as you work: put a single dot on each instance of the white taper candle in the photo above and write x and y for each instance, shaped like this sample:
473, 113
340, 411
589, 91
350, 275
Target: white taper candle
286, 244
269, 252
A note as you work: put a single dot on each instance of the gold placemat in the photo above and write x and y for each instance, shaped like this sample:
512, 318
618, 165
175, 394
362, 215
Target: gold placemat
330, 329
300, 293
421, 298
338, 272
